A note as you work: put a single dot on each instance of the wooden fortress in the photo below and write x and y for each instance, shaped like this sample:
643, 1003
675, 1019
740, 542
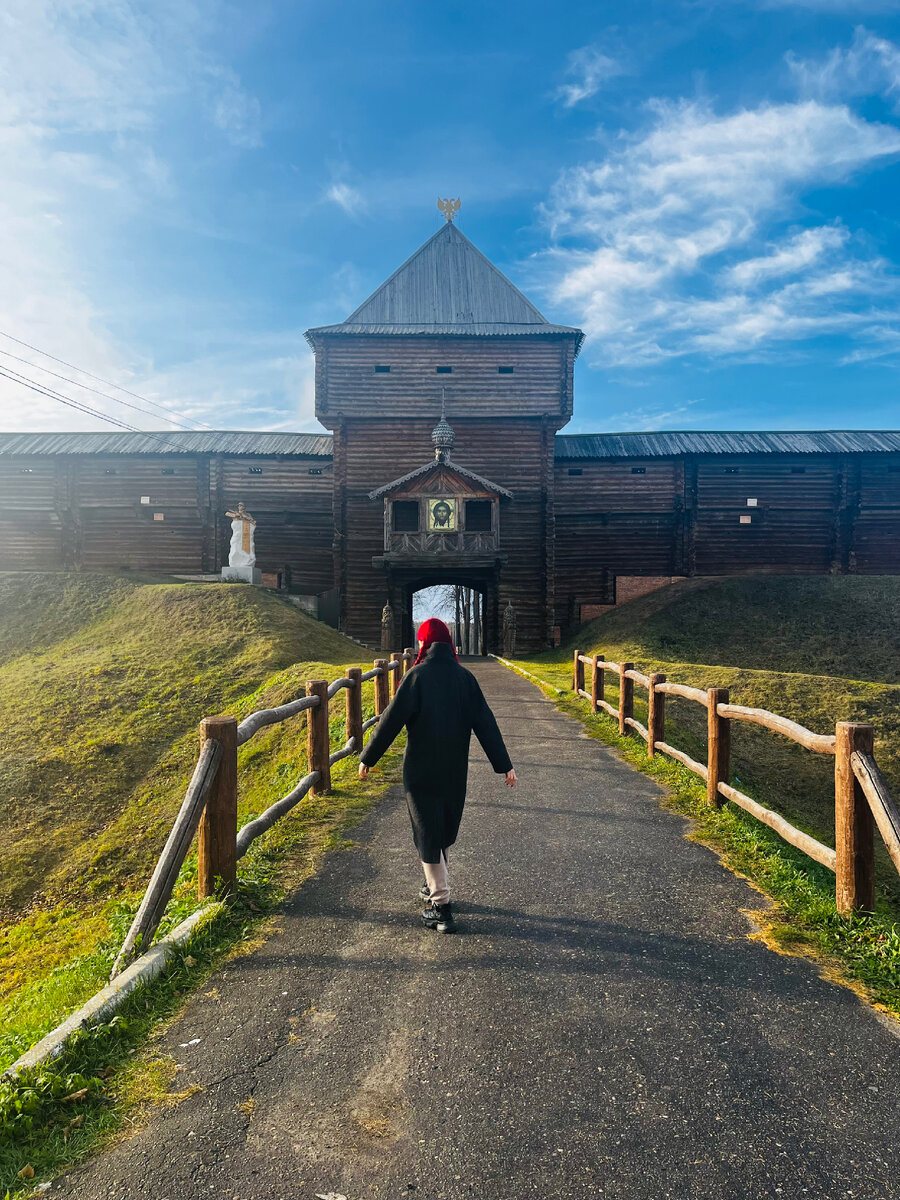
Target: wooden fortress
444, 394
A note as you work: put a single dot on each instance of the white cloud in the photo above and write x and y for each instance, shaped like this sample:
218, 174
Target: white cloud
588, 69
107, 77
352, 201
869, 66
674, 244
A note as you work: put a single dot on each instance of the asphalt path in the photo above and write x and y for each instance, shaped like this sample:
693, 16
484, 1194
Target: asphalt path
601, 1026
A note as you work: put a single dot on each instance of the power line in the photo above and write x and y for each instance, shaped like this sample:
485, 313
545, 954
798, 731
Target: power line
45, 390
96, 391
91, 375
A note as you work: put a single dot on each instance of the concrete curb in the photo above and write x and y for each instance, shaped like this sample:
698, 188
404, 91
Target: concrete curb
528, 675
105, 1002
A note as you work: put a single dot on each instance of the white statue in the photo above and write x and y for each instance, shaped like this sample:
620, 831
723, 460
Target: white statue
242, 552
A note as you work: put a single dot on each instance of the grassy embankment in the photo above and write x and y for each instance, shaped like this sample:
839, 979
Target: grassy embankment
816, 650
102, 683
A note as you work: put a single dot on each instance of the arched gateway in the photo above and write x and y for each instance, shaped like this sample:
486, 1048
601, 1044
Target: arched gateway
447, 339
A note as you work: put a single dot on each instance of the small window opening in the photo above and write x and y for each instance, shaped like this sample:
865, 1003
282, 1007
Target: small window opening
443, 370
159, 516
168, 470
110, 471
639, 470
505, 370
314, 471
730, 470
254, 470
575, 471
405, 516
382, 369
798, 470
478, 516
28, 470
746, 519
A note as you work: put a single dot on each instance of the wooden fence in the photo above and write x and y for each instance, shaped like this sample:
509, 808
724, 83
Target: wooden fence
861, 796
210, 804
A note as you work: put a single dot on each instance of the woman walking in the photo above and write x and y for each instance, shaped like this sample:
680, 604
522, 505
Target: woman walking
440, 703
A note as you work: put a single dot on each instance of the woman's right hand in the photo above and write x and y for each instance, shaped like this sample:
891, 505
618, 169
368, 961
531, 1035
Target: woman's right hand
510, 778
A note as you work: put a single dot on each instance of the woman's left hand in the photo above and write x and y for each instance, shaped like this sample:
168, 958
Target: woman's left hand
363, 771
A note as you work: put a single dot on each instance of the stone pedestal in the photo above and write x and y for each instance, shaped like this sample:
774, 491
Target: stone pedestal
242, 575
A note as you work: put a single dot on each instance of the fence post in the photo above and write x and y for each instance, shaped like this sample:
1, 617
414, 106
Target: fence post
626, 697
381, 687
408, 663
656, 714
854, 838
718, 745
217, 831
318, 741
596, 682
577, 673
397, 673
354, 707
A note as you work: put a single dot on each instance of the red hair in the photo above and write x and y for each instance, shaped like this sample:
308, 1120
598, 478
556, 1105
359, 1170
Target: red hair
430, 632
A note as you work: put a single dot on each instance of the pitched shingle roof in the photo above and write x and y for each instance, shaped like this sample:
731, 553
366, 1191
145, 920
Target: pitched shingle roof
166, 442
663, 445
447, 287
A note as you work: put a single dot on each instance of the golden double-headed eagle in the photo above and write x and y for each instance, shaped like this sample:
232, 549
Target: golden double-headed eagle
449, 207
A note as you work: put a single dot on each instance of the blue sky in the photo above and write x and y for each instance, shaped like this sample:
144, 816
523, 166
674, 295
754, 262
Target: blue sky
709, 189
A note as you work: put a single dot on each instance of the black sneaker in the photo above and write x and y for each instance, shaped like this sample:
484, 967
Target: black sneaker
425, 893
439, 917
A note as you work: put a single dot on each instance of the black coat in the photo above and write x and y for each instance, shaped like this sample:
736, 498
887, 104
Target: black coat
440, 703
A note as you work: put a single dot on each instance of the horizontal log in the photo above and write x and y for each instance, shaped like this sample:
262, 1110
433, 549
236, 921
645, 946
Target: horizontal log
582, 692
638, 728
252, 830
881, 802
820, 742
685, 692
643, 680
370, 724
272, 716
345, 752
367, 675
165, 874
684, 759
607, 666
607, 707
586, 659
393, 665
802, 841
335, 687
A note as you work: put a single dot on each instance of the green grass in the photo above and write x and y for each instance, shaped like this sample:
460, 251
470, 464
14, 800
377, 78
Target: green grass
774, 638
104, 705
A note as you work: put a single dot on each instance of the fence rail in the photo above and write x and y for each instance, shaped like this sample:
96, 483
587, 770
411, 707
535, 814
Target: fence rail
209, 808
862, 800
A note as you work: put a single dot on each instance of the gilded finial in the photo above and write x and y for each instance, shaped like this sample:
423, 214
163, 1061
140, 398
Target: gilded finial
449, 207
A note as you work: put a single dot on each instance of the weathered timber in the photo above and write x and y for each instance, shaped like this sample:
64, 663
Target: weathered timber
796, 837
370, 724
822, 743
354, 708
718, 744
684, 759
349, 747
656, 714
253, 829
639, 678
165, 874
584, 693
317, 737
217, 833
397, 676
854, 837
881, 802
608, 708
640, 729
685, 692
271, 716
382, 697
337, 685
626, 697
578, 672
597, 679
